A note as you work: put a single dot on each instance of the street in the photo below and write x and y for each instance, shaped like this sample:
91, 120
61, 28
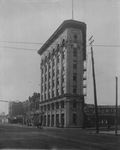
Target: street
22, 137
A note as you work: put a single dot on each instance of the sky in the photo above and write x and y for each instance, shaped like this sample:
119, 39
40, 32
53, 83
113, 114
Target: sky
33, 22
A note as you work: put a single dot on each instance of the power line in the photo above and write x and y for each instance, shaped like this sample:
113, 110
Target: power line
106, 45
19, 48
41, 43
21, 42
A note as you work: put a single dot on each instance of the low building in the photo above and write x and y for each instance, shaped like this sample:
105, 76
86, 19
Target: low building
31, 110
106, 114
16, 112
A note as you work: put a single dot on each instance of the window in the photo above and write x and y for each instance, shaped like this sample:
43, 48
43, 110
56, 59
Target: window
63, 68
62, 104
45, 77
45, 96
42, 88
57, 105
42, 79
57, 81
63, 42
49, 65
49, 85
49, 95
75, 77
45, 68
49, 75
63, 79
75, 66
53, 62
63, 55
74, 104
58, 59
53, 94
44, 107
57, 92
74, 89
74, 52
45, 87
53, 73
75, 38
42, 70
58, 71
63, 90
52, 105
41, 108
74, 119
41, 97
48, 106
53, 84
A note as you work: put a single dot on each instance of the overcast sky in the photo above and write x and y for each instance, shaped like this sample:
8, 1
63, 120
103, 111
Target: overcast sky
34, 21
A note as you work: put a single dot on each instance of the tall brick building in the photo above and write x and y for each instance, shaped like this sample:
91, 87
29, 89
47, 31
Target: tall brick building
62, 76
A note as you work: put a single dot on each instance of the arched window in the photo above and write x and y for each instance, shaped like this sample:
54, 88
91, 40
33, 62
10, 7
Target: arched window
75, 38
63, 42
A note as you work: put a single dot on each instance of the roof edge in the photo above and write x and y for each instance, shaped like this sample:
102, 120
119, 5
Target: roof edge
60, 29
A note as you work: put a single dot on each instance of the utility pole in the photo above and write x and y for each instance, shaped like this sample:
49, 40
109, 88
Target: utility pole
116, 106
94, 84
72, 10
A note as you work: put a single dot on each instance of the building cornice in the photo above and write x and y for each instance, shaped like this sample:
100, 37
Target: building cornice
63, 96
66, 24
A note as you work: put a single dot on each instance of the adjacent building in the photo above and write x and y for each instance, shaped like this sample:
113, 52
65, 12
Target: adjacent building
106, 115
63, 76
31, 110
16, 112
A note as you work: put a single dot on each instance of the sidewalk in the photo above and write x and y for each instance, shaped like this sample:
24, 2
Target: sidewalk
110, 132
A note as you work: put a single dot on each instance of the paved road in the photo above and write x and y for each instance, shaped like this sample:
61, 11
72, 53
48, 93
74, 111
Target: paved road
19, 137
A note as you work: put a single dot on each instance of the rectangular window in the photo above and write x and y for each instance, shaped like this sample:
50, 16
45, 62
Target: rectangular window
58, 59
53, 73
74, 89
45, 77
63, 90
63, 79
53, 94
75, 52
49, 85
58, 71
75, 77
53, 84
57, 92
63, 55
57, 81
75, 66
49, 75
49, 95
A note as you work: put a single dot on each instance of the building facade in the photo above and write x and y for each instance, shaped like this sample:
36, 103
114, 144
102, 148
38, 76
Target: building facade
106, 115
31, 110
16, 112
62, 76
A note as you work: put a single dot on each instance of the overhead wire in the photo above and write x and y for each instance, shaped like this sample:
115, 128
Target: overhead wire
21, 42
19, 48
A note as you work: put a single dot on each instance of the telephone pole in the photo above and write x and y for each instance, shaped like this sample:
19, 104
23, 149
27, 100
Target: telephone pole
72, 10
94, 84
116, 112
